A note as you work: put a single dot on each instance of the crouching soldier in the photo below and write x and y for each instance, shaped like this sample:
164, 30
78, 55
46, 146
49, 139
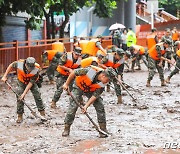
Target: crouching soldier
138, 53
116, 61
53, 57
89, 81
67, 63
27, 74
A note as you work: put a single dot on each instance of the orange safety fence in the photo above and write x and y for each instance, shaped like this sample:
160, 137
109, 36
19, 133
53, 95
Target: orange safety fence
12, 51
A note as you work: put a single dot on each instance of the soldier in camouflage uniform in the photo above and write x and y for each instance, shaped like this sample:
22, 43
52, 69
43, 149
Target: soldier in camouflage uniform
116, 61
169, 51
53, 64
67, 63
27, 74
155, 59
177, 58
89, 81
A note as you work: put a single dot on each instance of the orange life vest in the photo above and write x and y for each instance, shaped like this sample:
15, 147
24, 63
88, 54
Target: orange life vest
151, 41
58, 46
51, 54
88, 61
85, 82
178, 53
69, 63
83, 45
139, 49
91, 48
175, 36
111, 63
153, 52
22, 76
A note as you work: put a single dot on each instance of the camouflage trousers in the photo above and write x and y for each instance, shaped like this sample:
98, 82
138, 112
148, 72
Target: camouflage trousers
59, 83
137, 61
98, 104
153, 65
168, 56
117, 87
51, 69
175, 71
37, 97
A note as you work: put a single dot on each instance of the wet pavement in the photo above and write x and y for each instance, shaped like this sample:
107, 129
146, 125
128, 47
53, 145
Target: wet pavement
133, 130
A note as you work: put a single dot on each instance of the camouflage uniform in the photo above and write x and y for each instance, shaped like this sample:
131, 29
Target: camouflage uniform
137, 61
153, 65
34, 89
53, 65
175, 71
119, 71
169, 51
78, 93
61, 79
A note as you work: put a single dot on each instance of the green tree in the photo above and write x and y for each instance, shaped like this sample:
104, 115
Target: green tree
38, 9
171, 6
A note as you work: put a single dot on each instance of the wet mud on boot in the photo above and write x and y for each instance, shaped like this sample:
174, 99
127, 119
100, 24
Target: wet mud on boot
19, 118
66, 130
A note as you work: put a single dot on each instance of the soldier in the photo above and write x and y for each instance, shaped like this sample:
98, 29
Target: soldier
169, 51
89, 81
152, 38
177, 58
116, 61
67, 63
175, 35
92, 47
27, 74
138, 53
53, 56
155, 59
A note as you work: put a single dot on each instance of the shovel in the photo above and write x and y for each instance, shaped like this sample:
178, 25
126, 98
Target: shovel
32, 111
95, 125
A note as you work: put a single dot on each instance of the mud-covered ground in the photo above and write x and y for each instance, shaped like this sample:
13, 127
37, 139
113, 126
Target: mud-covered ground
133, 130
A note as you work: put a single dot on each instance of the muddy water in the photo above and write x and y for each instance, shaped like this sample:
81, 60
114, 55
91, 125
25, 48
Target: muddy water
133, 130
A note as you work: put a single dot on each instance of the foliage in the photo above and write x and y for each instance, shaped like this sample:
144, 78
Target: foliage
170, 6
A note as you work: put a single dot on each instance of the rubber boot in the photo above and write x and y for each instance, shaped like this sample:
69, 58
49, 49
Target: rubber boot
108, 88
163, 83
66, 130
53, 104
19, 118
42, 113
52, 82
103, 127
148, 84
119, 99
168, 80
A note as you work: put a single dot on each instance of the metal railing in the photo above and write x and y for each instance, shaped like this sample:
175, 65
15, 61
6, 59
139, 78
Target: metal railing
12, 51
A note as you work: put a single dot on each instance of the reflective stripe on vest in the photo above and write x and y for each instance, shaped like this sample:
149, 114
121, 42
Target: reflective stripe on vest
69, 64
85, 82
153, 52
111, 63
22, 76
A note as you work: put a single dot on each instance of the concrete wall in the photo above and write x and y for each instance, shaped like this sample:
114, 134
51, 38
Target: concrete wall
84, 23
